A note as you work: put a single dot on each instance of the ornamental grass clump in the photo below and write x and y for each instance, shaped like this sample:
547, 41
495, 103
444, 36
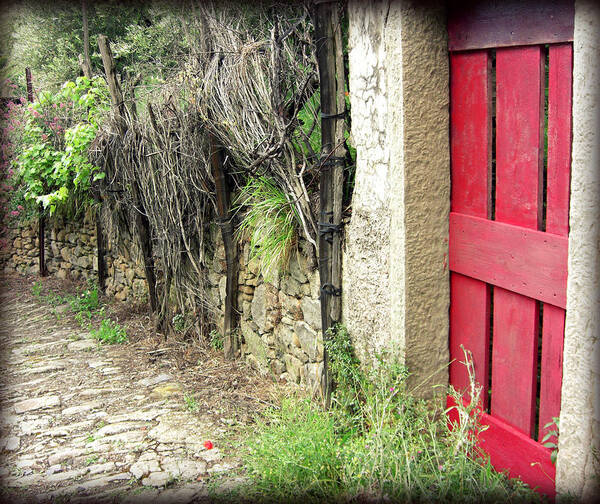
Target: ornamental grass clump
377, 442
270, 222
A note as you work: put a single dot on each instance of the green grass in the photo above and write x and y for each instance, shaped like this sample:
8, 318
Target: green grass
191, 403
376, 442
110, 332
216, 340
270, 222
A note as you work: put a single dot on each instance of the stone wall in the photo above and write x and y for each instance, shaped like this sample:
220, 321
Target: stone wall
71, 253
280, 320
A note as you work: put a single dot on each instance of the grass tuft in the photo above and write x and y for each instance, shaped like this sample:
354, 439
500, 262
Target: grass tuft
271, 224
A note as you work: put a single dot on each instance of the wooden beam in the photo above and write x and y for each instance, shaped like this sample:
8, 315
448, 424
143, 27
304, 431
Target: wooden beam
480, 24
328, 38
525, 261
230, 341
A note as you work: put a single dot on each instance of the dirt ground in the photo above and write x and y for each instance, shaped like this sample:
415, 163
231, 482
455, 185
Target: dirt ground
84, 422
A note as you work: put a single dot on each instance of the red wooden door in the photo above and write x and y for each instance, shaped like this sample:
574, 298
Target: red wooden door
509, 91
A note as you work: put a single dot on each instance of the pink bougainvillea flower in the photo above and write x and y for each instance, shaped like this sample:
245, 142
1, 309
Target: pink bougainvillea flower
14, 213
208, 445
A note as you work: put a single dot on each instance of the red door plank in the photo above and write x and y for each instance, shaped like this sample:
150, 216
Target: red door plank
519, 107
470, 132
553, 330
560, 99
514, 362
470, 123
528, 262
511, 450
557, 221
470, 327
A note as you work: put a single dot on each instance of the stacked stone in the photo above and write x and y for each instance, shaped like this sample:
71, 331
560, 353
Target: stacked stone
21, 253
280, 319
71, 253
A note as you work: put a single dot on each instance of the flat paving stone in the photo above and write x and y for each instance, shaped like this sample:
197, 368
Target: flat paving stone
37, 403
155, 380
82, 345
87, 427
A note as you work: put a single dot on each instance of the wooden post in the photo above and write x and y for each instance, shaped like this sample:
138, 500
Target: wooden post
101, 248
230, 342
41, 216
142, 224
331, 75
85, 63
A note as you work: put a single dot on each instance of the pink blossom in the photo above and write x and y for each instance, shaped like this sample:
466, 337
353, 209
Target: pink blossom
22, 100
20, 207
44, 136
14, 213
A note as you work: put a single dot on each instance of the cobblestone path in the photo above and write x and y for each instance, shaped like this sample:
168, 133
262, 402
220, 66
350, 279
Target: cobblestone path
76, 427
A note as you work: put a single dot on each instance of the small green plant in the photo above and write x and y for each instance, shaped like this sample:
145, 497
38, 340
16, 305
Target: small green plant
179, 323
550, 439
271, 223
216, 340
110, 332
91, 460
191, 403
36, 289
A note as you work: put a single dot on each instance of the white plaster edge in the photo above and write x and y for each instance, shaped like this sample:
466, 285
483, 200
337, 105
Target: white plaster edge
580, 416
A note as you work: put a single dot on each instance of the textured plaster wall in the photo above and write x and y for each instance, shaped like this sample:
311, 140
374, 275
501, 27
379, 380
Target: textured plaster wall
579, 443
396, 246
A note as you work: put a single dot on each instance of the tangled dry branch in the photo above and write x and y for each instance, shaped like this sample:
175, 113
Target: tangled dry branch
251, 72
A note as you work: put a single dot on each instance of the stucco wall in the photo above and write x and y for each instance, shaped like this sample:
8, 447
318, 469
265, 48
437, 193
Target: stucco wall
579, 442
396, 242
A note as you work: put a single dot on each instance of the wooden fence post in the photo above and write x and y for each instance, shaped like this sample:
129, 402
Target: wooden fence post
41, 216
331, 181
230, 341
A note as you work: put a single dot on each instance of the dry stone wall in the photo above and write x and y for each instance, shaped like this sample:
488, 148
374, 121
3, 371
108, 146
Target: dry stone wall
279, 319
70, 251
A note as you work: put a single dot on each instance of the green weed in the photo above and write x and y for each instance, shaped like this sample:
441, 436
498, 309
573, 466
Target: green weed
376, 442
110, 332
191, 403
216, 340
36, 289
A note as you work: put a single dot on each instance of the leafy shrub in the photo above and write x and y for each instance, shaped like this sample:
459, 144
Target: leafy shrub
271, 223
216, 340
50, 139
110, 332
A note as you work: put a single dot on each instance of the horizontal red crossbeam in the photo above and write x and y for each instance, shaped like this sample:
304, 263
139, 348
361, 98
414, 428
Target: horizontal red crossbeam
513, 451
529, 262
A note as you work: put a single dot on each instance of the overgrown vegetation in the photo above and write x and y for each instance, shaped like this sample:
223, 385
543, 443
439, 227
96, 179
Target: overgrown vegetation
110, 332
49, 141
377, 442
240, 91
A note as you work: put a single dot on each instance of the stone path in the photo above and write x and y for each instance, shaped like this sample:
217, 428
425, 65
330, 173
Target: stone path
74, 423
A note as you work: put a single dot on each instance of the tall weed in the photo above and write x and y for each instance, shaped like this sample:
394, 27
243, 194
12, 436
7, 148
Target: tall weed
377, 442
